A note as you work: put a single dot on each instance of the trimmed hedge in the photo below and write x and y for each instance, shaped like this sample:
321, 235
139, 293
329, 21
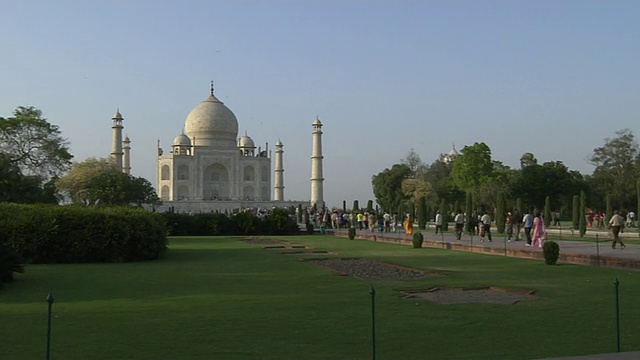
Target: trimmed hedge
276, 222
73, 234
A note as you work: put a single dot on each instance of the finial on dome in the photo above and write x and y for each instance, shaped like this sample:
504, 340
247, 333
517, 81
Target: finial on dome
211, 87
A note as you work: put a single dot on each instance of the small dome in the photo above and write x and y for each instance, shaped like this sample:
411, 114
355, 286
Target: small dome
117, 115
453, 151
317, 122
182, 140
246, 142
213, 124
279, 143
126, 139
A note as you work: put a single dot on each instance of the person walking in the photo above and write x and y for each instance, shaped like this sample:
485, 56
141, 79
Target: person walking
616, 223
527, 222
538, 231
509, 225
459, 220
438, 221
486, 224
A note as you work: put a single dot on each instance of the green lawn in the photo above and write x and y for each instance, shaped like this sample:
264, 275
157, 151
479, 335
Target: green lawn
220, 298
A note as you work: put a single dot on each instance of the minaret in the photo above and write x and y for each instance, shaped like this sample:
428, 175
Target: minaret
316, 166
116, 148
278, 193
126, 166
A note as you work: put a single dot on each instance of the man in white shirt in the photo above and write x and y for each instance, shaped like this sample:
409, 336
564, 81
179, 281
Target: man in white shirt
438, 222
527, 221
486, 223
459, 220
616, 223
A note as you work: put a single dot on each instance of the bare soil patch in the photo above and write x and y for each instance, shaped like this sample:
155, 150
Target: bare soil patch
264, 242
489, 294
308, 252
368, 269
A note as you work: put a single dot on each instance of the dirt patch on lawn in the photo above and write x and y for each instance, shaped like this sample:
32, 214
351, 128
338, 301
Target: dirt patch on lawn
308, 252
264, 242
368, 269
489, 294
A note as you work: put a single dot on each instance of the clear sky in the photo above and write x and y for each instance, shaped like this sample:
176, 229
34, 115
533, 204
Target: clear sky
554, 78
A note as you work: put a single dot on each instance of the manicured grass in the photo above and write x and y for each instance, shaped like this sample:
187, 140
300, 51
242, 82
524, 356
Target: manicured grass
220, 298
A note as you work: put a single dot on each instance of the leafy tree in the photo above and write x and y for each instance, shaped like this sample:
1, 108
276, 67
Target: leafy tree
527, 159
471, 166
616, 167
76, 182
387, 186
120, 189
415, 189
33, 144
414, 164
553, 178
18, 188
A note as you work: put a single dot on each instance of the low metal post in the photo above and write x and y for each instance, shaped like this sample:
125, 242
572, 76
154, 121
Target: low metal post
597, 252
616, 284
372, 292
50, 302
505, 243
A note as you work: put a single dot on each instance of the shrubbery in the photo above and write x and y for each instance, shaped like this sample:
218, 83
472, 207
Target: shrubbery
417, 240
70, 234
351, 233
551, 251
276, 222
10, 262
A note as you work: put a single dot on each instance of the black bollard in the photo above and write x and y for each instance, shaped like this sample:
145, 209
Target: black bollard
372, 292
50, 302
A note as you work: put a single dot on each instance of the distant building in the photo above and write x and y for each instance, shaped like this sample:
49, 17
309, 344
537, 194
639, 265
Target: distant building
451, 155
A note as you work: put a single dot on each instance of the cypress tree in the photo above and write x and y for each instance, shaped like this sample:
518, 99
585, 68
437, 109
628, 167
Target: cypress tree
609, 210
575, 214
443, 212
500, 218
519, 206
412, 210
547, 211
356, 206
422, 213
582, 220
468, 206
370, 206
299, 213
344, 206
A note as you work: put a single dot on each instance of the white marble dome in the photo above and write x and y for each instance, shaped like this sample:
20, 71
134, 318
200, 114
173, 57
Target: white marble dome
246, 142
182, 140
212, 124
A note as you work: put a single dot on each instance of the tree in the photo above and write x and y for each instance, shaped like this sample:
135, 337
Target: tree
370, 206
468, 206
422, 213
18, 188
33, 144
415, 189
120, 189
414, 163
471, 166
387, 186
75, 183
616, 168
500, 217
582, 221
547, 211
356, 206
445, 215
527, 159
576, 212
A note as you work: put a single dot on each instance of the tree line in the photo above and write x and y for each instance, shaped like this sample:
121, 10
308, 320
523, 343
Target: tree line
474, 177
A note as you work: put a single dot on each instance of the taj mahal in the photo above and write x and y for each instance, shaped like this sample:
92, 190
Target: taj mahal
209, 168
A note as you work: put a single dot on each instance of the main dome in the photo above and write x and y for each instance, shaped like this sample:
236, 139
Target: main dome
211, 123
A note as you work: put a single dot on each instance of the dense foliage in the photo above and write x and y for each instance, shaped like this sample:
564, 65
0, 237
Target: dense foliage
551, 252
69, 234
417, 240
275, 222
10, 262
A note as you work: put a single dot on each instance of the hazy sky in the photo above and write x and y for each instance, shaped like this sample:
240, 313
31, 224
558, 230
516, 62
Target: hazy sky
554, 78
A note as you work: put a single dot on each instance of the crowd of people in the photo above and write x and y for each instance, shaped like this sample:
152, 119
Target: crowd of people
529, 227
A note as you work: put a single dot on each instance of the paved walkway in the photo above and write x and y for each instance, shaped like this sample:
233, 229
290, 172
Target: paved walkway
588, 252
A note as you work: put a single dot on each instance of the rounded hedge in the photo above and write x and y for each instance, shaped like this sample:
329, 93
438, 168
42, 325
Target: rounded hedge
73, 234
